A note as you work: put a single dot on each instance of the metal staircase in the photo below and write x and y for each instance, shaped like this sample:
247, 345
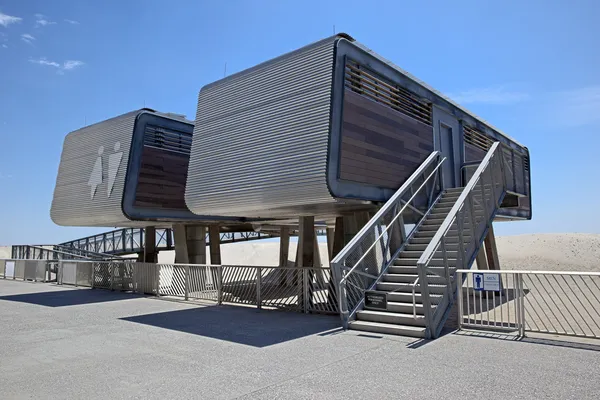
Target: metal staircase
412, 276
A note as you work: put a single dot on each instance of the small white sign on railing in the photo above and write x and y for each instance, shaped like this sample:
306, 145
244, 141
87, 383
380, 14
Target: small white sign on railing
486, 281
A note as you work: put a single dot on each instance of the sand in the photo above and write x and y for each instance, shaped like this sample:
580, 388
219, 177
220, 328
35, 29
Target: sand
551, 252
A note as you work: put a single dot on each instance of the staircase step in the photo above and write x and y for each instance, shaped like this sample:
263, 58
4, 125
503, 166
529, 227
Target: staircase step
410, 278
390, 318
406, 297
454, 190
434, 262
412, 270
422, 246
404, 308
438, 254
407, 288
451, 233
389, 329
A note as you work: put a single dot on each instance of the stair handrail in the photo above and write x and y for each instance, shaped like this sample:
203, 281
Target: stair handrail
342, 272
466, 197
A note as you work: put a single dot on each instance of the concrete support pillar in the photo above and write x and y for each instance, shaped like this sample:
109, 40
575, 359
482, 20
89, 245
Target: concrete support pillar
397, 234
196, 243
350, 228
482, 263
286, 275
214, 238
370, 260
150, 254
338, 237
284, 246
181, 251
190, 244
491, 250
306, 247
330, 239
306, 237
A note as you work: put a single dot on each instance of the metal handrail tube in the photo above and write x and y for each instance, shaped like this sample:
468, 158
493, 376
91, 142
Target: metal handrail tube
386, 207
389, 225
430, 250
527, 272
414, 286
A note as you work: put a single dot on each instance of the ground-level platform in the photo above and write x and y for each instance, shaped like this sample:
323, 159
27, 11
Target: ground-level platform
63, 343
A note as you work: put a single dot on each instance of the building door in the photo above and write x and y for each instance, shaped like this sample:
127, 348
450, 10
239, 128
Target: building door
446, 139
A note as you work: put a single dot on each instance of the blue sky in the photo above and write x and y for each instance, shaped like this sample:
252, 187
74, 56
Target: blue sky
530, 68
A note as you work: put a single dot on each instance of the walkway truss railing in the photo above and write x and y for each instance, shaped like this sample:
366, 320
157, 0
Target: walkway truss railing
558, 303
361, 263
457, 241
289, 288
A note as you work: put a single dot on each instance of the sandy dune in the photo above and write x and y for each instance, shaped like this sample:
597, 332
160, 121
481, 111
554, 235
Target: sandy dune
554, 252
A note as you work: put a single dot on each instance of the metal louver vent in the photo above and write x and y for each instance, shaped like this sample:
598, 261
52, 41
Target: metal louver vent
526, 163
476, 138
369, 84
168, 139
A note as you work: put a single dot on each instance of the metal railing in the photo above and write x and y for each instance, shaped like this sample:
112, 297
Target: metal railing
296, 289
360, 264
125, 241
559, 303
463, 229
28, 270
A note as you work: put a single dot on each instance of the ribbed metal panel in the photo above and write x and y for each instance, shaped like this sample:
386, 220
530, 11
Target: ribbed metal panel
261, 136
73, 204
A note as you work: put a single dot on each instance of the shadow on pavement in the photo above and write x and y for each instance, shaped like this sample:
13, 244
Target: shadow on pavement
249, 326
561, 341
64, 298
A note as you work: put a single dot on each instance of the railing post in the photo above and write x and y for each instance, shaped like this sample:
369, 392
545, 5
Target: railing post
305, 290
219, 284
258, 287
92, 275
425, 300
76, 268
343, 301
111, 266
522, 305
459, 297
449, 289
186, 281
58, 272
157, 279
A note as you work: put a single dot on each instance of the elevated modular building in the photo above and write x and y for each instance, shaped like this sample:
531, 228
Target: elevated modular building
127, 171
328, 129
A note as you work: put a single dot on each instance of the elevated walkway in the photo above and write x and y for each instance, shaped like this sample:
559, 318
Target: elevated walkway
124, 241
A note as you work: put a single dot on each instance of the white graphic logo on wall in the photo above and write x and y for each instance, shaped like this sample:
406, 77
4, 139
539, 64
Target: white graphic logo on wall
114, 160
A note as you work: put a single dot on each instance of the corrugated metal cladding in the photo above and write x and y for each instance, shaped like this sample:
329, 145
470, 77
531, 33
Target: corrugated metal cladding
261, 137
88, 155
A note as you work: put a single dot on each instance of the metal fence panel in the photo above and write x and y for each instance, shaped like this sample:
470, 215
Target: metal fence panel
563, 304
68, 273
560, 303
19, 269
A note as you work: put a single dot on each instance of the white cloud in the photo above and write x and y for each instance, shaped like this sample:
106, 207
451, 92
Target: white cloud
5, 176
72, 22
42, 20
490, 95
43, 61
4, 46
72, 64
27, 38
65, 66
6, 20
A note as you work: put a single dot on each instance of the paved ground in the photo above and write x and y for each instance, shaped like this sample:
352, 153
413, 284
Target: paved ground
61, 343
